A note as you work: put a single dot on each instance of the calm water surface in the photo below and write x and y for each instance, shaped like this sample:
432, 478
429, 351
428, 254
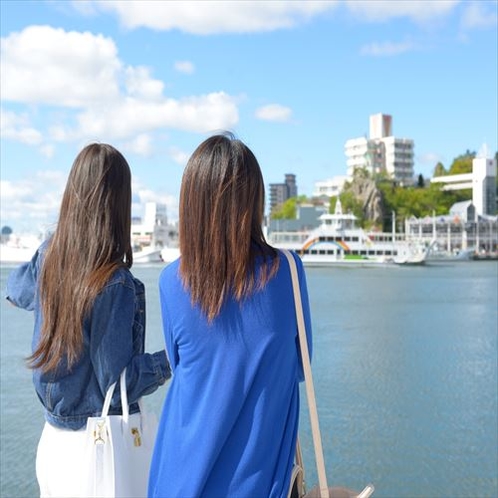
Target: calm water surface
405, 369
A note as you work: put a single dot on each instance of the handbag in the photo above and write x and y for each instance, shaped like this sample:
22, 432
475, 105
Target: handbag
119, 450
297, 485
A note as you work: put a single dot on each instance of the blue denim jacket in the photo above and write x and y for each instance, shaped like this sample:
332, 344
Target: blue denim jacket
114, 338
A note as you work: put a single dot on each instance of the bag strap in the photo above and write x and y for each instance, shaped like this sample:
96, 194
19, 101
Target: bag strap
124, 397
107, 400
308, 378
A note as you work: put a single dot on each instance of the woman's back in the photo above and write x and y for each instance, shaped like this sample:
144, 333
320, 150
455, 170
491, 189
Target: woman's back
230, 420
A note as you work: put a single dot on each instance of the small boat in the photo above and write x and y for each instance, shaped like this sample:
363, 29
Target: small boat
17, 249
147, 255
441, 256
10, 254
337, 241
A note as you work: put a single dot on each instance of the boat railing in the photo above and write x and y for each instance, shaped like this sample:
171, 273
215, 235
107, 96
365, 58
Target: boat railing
287, 237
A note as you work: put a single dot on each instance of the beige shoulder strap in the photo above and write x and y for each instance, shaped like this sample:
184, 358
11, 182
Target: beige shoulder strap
308, 378
310, 390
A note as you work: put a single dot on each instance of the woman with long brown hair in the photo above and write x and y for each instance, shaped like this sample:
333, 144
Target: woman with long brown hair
89, 314
230, 418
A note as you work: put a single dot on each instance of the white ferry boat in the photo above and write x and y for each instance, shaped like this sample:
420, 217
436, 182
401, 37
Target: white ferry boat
338, 241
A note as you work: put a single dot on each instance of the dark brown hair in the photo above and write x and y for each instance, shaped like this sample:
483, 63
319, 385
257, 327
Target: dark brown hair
91, 240
221, 215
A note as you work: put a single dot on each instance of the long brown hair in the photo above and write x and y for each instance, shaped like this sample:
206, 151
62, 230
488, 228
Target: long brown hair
220, 229
91, 240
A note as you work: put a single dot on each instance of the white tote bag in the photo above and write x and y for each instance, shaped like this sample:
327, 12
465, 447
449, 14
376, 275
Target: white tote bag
118, 450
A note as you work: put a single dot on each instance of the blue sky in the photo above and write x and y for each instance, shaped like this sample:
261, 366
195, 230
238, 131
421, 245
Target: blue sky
294, 80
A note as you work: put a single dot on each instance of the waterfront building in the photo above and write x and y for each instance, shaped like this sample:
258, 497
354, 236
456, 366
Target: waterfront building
280, 192
462, 231
484, 185
153, 229
381, 152
331, 187
482, 181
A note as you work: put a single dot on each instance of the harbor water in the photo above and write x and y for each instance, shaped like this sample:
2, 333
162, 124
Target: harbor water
405, 370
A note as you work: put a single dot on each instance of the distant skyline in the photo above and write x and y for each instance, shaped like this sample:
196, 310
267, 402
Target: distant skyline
292, 79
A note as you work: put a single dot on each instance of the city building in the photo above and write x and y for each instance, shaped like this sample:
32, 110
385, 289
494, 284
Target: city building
280, 192
462, 232
289, 231
153, 228
482, 181
331, 187
381, 152
484, 185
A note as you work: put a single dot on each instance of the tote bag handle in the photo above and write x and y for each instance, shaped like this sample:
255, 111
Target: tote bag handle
308, 378
124, 398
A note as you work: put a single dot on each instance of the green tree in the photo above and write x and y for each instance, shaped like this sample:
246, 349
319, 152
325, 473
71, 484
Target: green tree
439, 170
462, 164
350, 204
287, 210
332, 204
418, 202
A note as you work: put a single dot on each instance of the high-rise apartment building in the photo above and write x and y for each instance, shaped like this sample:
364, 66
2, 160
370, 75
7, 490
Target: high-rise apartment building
280, 192
381, 152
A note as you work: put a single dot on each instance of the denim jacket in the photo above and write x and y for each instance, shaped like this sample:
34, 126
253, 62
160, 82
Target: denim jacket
114, 338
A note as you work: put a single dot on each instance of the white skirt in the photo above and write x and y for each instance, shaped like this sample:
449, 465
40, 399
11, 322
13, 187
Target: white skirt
59, 462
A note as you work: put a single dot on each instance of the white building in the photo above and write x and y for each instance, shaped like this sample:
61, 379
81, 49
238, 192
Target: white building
364, 153
482, 181
153, 229
331, 187
484, 185
462, 232
381, 152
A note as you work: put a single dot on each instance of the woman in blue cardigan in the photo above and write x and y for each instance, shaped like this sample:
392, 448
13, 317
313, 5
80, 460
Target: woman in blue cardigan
230, 419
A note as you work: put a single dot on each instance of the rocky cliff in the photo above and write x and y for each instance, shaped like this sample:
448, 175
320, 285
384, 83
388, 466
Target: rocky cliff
365, 191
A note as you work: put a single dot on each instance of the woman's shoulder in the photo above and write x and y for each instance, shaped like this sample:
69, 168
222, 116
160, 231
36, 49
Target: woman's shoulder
123, 276
171, 270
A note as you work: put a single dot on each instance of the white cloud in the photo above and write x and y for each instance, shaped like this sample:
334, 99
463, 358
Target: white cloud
112, 100
10, 191
140, 145
139, 84
17, 127
142, 195
383, 10
47, 151
185, 67
179, 156
274, 112
70, 68
131, 116
477, 15
83, 7
247, 16
32, 203
209, 17
386, 48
